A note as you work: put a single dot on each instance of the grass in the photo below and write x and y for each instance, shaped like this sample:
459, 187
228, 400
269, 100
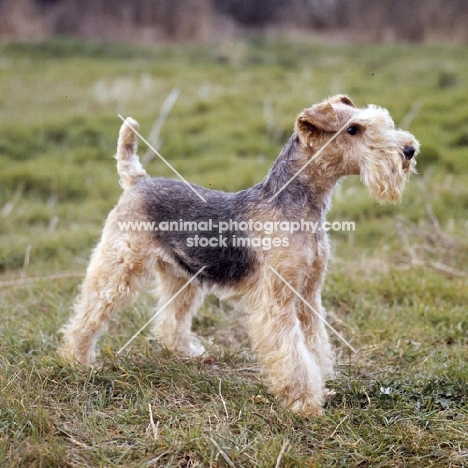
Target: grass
396, 288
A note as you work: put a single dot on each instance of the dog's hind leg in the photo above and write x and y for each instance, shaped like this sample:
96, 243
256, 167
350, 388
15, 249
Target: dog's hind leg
117, 272
178, 303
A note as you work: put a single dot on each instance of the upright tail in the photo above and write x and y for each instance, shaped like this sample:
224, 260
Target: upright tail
128, 163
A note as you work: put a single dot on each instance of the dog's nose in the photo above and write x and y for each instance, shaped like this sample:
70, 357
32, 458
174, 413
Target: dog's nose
409, 151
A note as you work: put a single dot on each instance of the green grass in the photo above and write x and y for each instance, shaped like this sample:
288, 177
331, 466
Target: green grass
396, 288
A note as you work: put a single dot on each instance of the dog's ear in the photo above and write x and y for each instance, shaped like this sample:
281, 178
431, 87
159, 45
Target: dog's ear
343, 99
318, 118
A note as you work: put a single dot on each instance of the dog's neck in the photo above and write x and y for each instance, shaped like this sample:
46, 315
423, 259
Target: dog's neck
288, 184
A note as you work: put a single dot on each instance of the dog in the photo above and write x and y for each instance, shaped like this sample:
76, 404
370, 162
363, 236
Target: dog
199, 241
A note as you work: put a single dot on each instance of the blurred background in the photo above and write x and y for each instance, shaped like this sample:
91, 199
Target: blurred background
212, 20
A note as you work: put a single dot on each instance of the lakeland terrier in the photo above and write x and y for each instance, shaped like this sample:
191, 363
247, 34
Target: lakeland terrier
219, 241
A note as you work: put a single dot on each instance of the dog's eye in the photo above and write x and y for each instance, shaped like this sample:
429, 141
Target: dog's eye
353, 130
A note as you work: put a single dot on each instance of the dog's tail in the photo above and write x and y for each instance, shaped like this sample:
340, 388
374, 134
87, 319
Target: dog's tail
128, 163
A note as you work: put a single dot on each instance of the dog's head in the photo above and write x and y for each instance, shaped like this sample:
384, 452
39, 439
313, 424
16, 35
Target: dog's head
344, 140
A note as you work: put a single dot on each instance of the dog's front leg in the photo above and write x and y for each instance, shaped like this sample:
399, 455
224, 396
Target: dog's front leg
294, 374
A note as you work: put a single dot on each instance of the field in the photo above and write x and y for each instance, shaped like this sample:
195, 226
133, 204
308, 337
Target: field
397, 287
